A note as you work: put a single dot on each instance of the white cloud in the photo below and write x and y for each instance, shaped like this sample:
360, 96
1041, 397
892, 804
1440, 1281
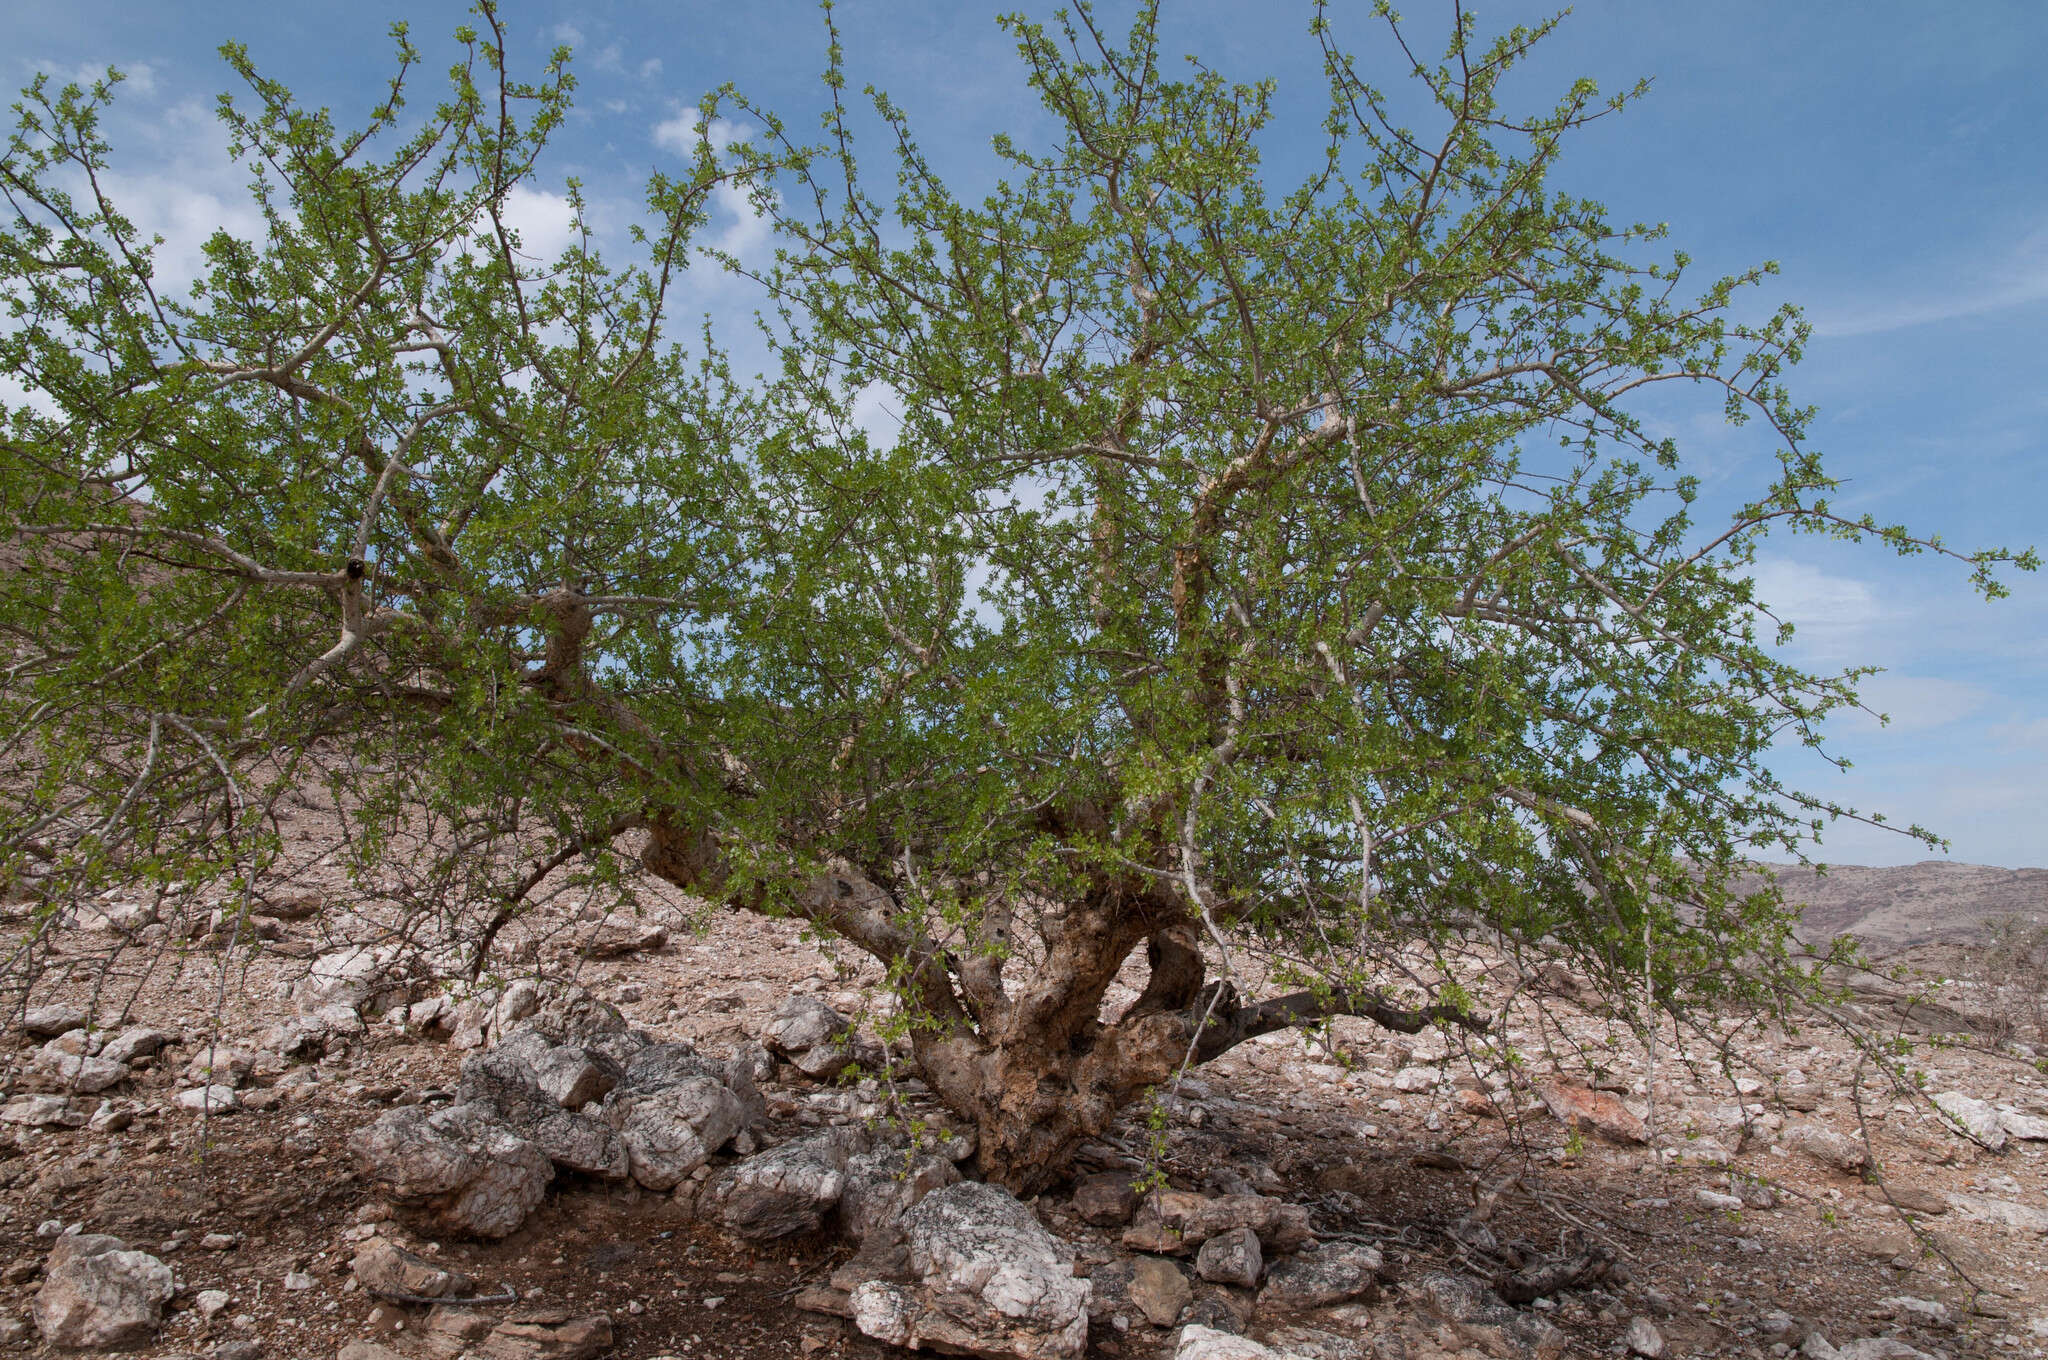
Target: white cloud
687, 130
569, 34
546, 222
2030, 734
650, 68
140, 75
1914, 703
1831, 616
189, 191
746, 229
2019, 279
877, 409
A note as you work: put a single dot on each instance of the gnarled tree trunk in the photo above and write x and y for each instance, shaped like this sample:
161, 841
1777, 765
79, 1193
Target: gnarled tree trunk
1035, 1065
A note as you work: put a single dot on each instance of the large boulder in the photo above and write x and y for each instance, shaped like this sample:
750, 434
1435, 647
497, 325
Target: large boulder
357, 978
571, 1015
98, 1293
1977, 1118
578, 1142
503, 1080
672, 1130
461, 1171
882, 1185
1335, 1274
992, 1282
79, 1072
660, 1065
47, 1022
787, 1190
608, 1102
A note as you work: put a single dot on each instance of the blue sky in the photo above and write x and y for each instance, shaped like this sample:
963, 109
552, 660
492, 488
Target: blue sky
1888, 155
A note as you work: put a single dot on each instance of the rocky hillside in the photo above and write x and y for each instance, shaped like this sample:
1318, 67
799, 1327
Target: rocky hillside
1932, 902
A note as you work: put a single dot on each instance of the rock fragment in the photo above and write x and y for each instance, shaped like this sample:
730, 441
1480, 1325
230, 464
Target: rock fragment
98, 1293
812, 1036
572, 1076
1828, 1147
1913, 1199
1483, 1320
47, 1022
210, 1099
356, 978
552, 1335
578, 1142
785, 1191
1206, 1343
1175, 1222
367, 1350
1159, 1290
220, 1065
1417, 1079
47, 1112
382, 1267
1642, 1338
1336, 1274
1589, 1111
460, 1171
136, 1041
79, 1072
991, 1282
1977, 1118
1232, 1257
1106, 1200
618, 939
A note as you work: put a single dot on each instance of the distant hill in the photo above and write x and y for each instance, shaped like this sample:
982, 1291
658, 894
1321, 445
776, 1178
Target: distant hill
1932, 902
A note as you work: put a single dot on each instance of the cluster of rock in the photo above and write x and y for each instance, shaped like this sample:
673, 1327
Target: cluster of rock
941, 1263
569, 1086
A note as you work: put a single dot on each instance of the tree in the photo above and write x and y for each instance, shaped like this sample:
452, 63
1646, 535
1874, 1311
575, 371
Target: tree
1277, 583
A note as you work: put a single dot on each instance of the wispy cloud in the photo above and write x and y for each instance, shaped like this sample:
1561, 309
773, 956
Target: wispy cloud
2019, 279
1915, 703
1831, 616
139, 76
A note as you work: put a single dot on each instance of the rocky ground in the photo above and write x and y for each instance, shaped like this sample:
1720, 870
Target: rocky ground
670, 1137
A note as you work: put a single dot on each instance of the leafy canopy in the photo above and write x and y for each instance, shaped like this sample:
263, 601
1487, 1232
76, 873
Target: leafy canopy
1291, 558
